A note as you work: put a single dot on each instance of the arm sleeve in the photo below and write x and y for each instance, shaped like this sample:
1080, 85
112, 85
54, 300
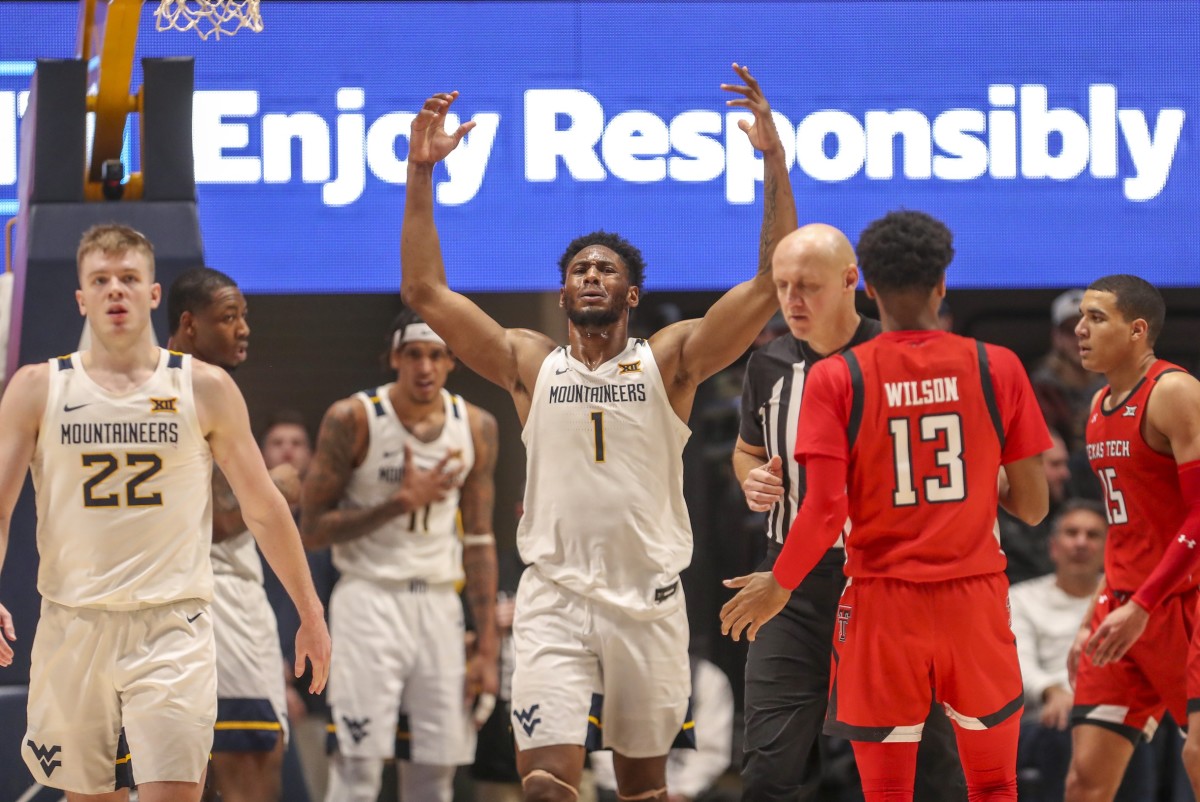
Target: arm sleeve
820, 520
750, 427
1025, 432
825, 412
691, 772
1182, 556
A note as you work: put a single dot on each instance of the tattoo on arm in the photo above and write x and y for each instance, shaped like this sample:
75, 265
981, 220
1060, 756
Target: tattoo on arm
321, 522
477, 504
227, 512
767, 239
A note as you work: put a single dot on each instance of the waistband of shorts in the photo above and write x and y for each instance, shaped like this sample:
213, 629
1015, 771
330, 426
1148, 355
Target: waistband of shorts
1123, 596
409, 585
126, 607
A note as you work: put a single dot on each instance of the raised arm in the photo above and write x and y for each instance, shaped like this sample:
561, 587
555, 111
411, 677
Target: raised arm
227, 425
477, 505
21, 411
479, 341
707, 345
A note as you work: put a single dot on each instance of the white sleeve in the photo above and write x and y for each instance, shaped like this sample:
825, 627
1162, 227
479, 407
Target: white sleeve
693, 771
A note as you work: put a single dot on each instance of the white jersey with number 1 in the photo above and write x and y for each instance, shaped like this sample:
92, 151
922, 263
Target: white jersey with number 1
604, 509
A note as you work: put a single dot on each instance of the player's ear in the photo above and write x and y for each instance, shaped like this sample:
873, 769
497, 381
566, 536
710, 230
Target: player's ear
1139, 329
633, 296
79, 301
187, 322
155, 295
870, 291
562, 297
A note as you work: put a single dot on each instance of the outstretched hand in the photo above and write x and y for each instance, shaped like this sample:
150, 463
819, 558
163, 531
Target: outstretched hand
760, 599
762, 133
429, 142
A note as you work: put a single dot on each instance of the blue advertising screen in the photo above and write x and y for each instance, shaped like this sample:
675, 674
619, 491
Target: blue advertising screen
1057, 139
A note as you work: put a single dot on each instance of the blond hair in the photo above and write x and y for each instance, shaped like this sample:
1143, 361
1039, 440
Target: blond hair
112, 239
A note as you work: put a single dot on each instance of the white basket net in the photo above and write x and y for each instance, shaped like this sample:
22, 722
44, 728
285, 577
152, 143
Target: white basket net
209, 17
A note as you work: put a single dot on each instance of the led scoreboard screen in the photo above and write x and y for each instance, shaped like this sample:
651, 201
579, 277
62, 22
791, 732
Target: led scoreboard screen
1058, 140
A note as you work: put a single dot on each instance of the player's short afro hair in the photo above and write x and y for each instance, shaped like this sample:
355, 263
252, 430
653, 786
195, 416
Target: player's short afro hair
635, 266
905, 250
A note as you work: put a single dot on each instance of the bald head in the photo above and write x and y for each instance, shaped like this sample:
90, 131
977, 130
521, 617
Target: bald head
815, 277
821, 245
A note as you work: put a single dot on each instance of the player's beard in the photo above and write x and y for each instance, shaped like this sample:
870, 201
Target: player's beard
597, 318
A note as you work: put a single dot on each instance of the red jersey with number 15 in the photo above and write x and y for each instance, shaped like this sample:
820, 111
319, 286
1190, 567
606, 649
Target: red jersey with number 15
926, 419
1141, 486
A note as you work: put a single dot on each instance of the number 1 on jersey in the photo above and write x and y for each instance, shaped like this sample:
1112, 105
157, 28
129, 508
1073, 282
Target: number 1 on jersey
598, 434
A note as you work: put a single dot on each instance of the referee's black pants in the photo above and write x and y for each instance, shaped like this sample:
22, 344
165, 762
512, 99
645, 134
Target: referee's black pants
787, 692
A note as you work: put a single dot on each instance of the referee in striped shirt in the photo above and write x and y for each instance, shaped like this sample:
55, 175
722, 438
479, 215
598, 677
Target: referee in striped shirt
787, 665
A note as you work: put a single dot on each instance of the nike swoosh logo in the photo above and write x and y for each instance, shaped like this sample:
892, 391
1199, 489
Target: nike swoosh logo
390, 454
194, 617
561, 372
69, 408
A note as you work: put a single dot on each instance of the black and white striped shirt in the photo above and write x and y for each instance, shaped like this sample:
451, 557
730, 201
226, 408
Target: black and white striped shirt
771, 394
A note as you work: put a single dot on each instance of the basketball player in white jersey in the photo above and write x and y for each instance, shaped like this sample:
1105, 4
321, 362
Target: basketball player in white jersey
394, 467
601, 630
206, 317
121, 439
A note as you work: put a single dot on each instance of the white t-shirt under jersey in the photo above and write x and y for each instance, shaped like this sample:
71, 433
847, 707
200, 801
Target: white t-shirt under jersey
604, 509
123, 490
423, 544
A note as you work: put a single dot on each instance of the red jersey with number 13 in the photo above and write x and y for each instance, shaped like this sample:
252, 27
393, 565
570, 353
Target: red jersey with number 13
1141, 486
926, 419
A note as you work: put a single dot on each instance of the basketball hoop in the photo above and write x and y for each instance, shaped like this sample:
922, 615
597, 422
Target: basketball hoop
209, 17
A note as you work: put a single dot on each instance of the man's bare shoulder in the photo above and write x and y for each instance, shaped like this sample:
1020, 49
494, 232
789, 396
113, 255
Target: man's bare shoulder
1175, 393
28, 388
210, 382
530, 343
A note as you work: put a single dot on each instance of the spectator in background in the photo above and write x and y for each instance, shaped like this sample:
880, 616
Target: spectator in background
1027, 547
691, 773
1064, 388
1046, 614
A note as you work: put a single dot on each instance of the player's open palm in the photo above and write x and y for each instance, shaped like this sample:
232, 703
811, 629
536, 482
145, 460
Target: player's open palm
7, 633
420, 487
762, 133
429, 141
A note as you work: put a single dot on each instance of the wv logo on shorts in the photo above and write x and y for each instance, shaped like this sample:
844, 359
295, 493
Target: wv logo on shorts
357, 727
45, 756
843, 620
526, 718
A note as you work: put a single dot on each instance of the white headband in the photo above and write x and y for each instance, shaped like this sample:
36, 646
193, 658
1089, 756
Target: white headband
415, 333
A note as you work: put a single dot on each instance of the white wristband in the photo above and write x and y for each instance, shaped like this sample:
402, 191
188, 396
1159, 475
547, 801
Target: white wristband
479, 540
